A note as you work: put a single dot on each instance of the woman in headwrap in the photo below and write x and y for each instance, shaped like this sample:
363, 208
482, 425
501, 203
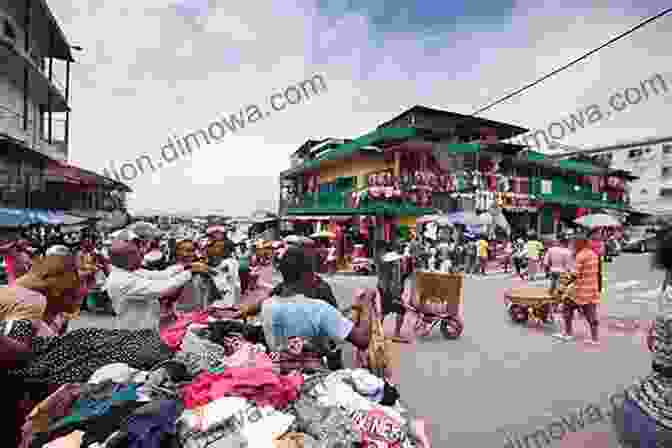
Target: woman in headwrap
645, 418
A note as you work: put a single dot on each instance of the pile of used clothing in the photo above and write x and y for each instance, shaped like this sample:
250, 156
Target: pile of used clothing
222, 389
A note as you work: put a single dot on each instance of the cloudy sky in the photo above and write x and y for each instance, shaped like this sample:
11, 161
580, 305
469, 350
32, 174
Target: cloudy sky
151, 69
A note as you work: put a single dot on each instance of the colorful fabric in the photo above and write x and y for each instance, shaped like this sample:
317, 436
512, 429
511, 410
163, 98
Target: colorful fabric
587, 287
258, 385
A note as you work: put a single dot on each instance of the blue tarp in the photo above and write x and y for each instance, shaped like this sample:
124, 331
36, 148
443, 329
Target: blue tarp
18, 217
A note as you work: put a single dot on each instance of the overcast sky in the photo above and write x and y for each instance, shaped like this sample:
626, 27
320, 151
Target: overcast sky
151, 69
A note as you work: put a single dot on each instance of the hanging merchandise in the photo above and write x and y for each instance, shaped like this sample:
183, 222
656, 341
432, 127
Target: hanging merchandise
492, 182
387, 226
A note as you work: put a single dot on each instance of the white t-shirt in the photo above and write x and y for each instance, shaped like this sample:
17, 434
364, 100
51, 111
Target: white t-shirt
135, 295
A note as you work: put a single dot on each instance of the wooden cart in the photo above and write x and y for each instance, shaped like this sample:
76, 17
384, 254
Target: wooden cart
537, 304
435, 297
264, 252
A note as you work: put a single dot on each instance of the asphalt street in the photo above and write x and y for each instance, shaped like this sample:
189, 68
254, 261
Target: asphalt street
500, 378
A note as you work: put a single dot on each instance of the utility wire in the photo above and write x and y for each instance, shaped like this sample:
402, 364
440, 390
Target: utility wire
575, 61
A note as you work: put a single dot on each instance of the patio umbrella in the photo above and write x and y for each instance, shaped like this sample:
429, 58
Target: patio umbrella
440, 220
598, 220
124, 235
145, 230
427, 218
215, 229
298, 240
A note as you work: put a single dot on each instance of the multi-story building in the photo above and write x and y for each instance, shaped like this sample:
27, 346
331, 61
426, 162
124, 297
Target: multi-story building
650, 160
35, 61
426, 160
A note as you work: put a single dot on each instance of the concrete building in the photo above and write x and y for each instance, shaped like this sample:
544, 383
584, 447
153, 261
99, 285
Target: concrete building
35, 62
648, 159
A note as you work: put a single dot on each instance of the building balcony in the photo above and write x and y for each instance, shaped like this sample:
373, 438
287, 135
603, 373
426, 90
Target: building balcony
41, 86
345, 203
35, 137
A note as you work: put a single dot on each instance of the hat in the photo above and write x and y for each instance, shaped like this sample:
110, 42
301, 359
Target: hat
391, 257
58, 249
125, 235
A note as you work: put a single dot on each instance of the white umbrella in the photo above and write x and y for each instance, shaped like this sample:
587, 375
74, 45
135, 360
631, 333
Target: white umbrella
598, 220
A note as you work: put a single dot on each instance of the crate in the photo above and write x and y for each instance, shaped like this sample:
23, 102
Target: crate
439, 288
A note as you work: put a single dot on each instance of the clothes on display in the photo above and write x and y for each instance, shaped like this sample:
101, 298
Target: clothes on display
233, 396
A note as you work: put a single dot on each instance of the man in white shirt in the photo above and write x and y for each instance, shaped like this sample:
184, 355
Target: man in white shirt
135, 292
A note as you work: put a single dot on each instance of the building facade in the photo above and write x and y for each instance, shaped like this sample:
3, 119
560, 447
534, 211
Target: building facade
648, 159
35, 62
427, 160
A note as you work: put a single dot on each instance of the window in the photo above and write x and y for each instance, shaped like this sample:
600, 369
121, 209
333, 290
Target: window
666, 172
644, 191
666, 192
8, 30
634, 153
667, 149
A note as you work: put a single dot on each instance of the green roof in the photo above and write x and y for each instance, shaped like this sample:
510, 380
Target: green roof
534, 156
580, 167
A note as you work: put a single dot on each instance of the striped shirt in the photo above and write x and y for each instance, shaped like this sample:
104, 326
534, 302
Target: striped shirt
587, 277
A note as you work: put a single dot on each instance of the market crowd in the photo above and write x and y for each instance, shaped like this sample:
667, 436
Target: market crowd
188, 364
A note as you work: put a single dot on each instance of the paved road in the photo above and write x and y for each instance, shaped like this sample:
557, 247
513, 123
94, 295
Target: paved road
500, 377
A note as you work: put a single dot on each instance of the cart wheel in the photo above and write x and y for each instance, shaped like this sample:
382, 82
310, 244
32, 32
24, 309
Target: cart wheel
422, 328
452, 328
519, 314
541, 314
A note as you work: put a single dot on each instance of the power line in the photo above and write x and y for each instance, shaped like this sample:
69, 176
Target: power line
575, 61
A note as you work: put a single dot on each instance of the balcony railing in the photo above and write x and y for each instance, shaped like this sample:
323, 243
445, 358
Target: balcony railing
36, 136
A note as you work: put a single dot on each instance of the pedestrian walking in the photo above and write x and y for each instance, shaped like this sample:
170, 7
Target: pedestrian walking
534, 248
587, 290
483, 248
558, 261
508, 254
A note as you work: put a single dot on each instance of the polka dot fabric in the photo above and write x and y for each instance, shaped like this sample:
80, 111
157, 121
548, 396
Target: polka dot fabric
74, 357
